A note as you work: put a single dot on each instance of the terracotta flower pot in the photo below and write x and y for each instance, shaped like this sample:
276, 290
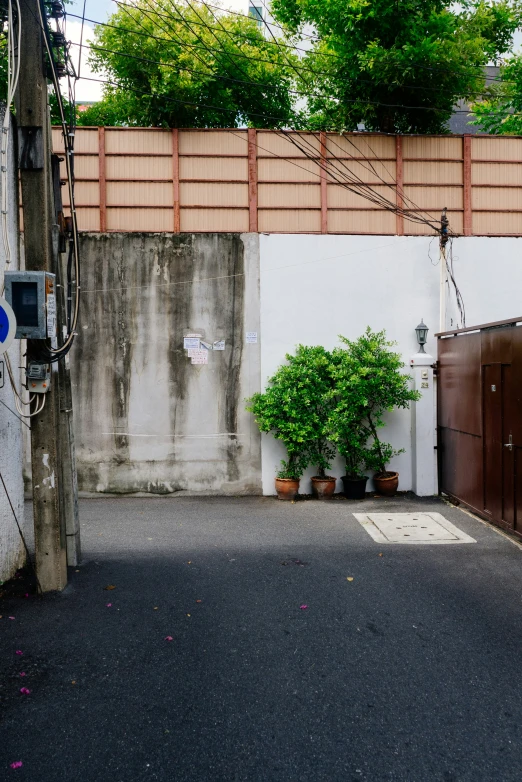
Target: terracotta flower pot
354, 488
286, 488
386, 483
323, 488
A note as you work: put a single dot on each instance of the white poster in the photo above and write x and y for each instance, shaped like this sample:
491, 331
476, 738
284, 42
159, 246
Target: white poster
51, 315
199, 357
51, 320
190, 342
219, 345
251, 337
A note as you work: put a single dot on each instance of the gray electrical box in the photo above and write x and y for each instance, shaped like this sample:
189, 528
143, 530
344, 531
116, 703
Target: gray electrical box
32, 296
38, 377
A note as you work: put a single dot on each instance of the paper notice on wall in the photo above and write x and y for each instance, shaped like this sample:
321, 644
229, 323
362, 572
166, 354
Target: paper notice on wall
193, 352
51, 320
251, 337
219, 345
190, 342
199, 357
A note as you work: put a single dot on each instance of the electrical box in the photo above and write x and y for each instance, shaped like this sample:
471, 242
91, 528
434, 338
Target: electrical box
32, 296
38, 378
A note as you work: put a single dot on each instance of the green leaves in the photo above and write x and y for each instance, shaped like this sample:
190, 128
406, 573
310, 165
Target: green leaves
367, 383
320, 399
501, 112
398, 67
184, 65
295, 408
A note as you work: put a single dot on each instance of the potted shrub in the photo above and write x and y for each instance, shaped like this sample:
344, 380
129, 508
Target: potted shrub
346, 427
292, 409
315, 364
356, 457
371, 377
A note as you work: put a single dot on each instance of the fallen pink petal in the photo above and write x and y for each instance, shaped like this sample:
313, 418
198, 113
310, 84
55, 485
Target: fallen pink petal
303, 607
18, 651
25, 691
12, 617
169, 638
17, 764
22, 673
109, 605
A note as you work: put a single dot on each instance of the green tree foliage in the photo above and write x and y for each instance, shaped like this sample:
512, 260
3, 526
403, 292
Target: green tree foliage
53, 105
180, 67
295, 408
367, 383
421, 54
500, 112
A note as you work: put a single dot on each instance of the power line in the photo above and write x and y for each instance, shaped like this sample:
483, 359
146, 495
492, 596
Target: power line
361, 187
46, 353
361, 101
15, 414
318, 39
81, 38
21, 534
386, 205
241, 274
301, 68
352, 178
272, 43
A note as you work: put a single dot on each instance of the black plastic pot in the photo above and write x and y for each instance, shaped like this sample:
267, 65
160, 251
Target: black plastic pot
354, 488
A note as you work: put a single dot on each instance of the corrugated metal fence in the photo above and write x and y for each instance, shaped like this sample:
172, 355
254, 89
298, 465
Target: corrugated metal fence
148, 179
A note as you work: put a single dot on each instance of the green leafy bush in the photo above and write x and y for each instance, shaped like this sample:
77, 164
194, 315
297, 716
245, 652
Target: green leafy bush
295, 408
319, 398
367, 383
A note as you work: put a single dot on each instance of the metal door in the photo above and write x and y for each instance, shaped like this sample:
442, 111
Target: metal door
498, 443
480, 420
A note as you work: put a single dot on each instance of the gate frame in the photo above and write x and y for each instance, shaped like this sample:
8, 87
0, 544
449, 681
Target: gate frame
452, 333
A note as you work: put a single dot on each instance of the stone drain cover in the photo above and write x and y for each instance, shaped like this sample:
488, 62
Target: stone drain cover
411, 528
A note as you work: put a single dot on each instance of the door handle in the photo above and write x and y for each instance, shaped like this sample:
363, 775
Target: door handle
510, 444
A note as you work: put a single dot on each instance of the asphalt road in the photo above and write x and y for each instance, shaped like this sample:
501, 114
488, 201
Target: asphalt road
409, 672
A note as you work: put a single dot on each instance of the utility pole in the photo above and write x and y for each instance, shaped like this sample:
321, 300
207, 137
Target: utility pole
444, 225
40, 255
69, 479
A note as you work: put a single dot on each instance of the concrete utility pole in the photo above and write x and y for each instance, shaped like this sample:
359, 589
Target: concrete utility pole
41, 254
69, 479
443, 279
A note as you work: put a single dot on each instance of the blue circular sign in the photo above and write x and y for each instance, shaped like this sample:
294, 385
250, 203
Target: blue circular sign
7, 326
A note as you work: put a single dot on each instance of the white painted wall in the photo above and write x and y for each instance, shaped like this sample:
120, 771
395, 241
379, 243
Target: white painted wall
11, 550
314, 288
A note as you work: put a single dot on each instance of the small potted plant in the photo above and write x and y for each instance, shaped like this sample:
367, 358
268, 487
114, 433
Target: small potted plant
291, 409
346, 425
316, 372
356, 460
372, 380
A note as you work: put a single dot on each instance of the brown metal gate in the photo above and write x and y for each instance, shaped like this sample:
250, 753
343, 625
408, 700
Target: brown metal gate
480, 420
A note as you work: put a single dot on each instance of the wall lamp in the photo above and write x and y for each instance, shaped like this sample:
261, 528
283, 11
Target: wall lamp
422, 335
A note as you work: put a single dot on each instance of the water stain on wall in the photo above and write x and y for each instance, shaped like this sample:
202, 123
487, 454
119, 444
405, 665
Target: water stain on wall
147, 419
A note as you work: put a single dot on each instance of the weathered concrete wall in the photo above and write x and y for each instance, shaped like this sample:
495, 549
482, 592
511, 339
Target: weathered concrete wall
147, 420
11, 548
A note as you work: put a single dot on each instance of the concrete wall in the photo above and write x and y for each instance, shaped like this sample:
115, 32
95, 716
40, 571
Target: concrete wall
314, 288
11, 549
147, 420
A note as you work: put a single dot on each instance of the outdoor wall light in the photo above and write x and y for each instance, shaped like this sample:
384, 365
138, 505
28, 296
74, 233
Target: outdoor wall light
422, 335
